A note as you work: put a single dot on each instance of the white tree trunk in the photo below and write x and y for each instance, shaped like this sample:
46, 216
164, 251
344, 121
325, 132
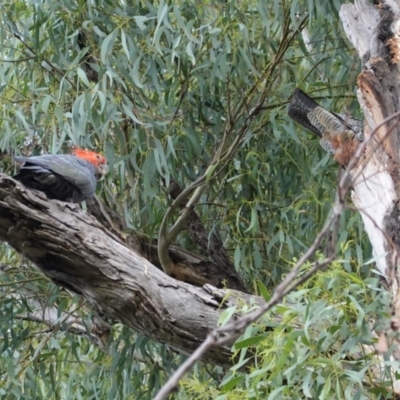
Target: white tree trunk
374, 32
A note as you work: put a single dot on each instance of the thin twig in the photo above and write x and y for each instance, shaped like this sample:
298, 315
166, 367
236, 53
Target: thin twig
20, 60
172, 382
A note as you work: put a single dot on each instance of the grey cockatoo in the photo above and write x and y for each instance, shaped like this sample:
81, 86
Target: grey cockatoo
70, 178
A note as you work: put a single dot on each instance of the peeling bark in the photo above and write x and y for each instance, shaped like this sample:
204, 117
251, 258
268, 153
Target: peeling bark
374, 31
74, 250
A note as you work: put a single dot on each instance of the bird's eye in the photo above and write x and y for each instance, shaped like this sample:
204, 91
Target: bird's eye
98, 157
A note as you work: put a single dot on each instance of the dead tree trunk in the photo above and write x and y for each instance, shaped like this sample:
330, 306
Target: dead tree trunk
374, 30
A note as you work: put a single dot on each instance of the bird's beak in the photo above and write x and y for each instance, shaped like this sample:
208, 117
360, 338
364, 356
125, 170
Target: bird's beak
103, 169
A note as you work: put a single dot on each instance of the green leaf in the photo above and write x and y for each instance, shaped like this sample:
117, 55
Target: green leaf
232, 383
135, 73
226, 315
263, 290
161, 13
83, 77
107, 46
252, 341
140, 21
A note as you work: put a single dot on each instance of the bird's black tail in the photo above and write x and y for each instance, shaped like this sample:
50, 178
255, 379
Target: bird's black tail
299, 107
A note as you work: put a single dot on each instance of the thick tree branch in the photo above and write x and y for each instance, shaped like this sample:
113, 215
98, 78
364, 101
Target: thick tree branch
77, 252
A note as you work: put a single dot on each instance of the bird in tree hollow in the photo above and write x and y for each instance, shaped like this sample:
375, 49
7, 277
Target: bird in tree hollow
66, 177
340, 134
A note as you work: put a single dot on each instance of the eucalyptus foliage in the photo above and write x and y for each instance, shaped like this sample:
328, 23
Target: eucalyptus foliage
316, 350
156, 86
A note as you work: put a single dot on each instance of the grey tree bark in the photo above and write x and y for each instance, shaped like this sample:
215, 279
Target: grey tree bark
74, 250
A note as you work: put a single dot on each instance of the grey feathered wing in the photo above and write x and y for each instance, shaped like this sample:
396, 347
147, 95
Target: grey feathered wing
61, 177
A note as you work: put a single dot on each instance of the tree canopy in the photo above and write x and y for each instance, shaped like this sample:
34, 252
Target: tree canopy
171, 93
